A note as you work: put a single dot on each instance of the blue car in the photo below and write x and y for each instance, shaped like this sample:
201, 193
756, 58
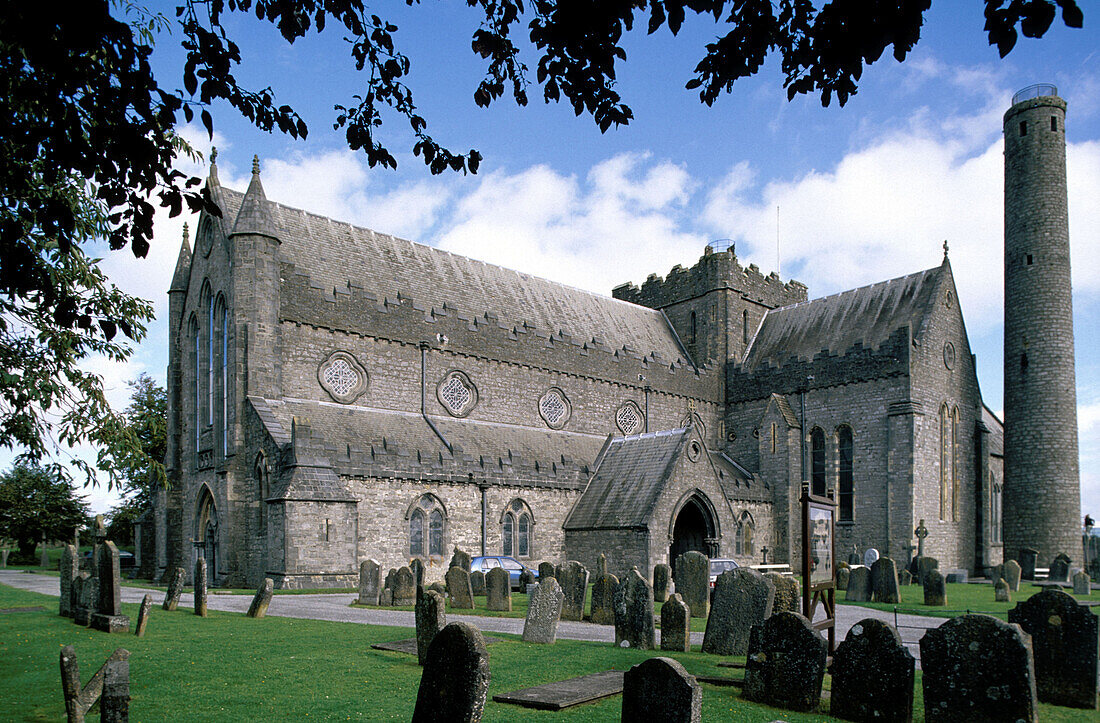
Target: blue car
488, 562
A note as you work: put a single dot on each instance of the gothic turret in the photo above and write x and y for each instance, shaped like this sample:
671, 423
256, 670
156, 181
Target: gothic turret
255, 214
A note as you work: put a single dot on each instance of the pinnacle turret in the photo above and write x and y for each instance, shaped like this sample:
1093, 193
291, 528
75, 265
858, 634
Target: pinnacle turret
254, 216
183, 264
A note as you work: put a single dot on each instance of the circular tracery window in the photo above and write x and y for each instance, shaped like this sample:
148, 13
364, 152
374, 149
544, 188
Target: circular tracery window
457, 393
342, 377
554, 408
949, 355
629, 418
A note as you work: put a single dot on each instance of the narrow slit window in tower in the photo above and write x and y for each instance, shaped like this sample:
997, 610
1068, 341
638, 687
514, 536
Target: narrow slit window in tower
1030, 259
1023, 128
1053, 123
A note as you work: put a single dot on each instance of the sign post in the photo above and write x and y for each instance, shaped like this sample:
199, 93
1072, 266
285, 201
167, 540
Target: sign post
819, 562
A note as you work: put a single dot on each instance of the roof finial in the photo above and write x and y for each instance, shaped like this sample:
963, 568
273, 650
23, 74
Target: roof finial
945, 249
213, 155
255, 165
186, 233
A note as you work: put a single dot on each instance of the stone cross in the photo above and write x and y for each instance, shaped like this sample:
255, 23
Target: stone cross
111, 682
764, 552
921, 532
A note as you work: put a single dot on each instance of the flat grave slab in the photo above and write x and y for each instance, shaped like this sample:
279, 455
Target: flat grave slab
720, 681
408, 645
566, 693
32, 609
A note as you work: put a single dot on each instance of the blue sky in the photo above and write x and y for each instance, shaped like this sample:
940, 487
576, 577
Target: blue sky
865, 193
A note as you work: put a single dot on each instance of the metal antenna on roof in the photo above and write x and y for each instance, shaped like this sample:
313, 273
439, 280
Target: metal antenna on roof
778, 268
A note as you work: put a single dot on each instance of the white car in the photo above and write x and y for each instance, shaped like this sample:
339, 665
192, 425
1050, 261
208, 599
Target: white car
719, 565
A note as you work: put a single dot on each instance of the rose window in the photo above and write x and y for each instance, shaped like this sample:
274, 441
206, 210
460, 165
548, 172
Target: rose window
341, 377
554, 408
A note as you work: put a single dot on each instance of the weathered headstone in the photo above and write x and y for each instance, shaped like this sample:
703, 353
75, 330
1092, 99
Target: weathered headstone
662, 581
884, 581
921, 565
175, 589
527, 577
603, 599
854, 559
543, 612
675, 625
788, 597
109, 685
1001, 593
114, 704
1028, 559
693, 582
70, 568
404, 587
873, 675
1012, 574
905, 578
870, 556
978, 668
416, 565
261, 599
370, 588
1059, 568
461, 559
859, 587
4, 557
601, 564
460, 589
439, 587
200, 587
996, 572
1065, 637
546, 570
386, 599
498, 590
477, 581
742, 598
785, 665
659, 689
634, 612
1082, 585
108, 616
390, 577
573, 578
86, 593
455, 681
431, 617
44, 561
935, 589
843, 577
143, 615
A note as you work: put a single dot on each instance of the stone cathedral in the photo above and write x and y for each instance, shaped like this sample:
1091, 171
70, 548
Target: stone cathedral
338, 394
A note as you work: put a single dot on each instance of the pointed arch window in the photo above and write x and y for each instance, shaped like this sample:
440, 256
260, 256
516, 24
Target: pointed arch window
955, 464
263, 491
945, 460
416, 534
995, 509
427, 520
845, 474
745, 327
743, 542
196, 343
210, 334
515, 529
221, 321
817, 462
435, 533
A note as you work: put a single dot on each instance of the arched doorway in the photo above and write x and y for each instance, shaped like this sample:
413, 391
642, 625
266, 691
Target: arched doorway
693, 528
206, 533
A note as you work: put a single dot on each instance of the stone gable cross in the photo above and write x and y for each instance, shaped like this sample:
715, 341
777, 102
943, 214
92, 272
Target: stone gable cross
921, 532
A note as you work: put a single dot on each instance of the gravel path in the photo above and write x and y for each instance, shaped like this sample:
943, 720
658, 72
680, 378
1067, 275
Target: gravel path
336, 607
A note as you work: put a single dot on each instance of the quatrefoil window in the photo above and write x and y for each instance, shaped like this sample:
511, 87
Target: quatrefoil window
554, 408
342, 377
629, 418
457, 393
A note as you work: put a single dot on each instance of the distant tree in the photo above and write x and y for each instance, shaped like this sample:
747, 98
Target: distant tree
36, 502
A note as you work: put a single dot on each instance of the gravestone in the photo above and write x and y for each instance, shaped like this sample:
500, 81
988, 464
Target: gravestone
742, 598
1028, 559
675, 625
870, 556
873, 675
659, 689
390, 577
70, 568
431, 617
86, 593
386, 599
859, 585
995, 573
1059, 568
175, 589
603, 599
404, 587
693, 582
143, 615
922, 565
573, 578
44, 560
477, 582
109, 685
978, 668
1065, 637
4, 557
662, 581
957, 576
200, 587
460, 589
527, 578
460, 559
1082, 585
262, 599
884, 581
108, 616
1001, 592
543, 612
905, 578
1012, 574
634, 612
455, 681
787, 594
785, 665
601, 564
498, 590
439, 587
935, 589
546, 570
114, 704
370, 588
843, 577
854, 559
416, 566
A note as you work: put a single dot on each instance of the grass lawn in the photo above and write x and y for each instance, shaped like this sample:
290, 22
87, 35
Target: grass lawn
961, 598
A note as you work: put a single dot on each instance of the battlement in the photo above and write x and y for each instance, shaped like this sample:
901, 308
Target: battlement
715, 270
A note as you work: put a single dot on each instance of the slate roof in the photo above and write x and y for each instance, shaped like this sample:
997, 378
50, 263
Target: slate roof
630, 474
333, 254
834, 324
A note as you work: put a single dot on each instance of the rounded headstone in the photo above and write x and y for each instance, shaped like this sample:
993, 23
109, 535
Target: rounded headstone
455, 681
873, 675
870, 556
660, 689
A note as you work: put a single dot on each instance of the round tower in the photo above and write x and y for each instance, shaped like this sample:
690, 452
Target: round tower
1042, 489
